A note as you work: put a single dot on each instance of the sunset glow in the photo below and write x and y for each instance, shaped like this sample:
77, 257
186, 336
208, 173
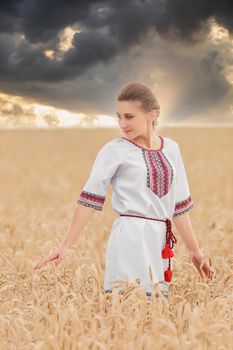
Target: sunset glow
17, 111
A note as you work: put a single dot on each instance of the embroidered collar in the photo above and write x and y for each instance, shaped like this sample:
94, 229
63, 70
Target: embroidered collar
147, 149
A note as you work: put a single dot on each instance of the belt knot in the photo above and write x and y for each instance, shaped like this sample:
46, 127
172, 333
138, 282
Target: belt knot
170, 237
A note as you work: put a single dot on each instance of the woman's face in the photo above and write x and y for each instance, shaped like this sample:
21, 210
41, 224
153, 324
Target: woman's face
132, 119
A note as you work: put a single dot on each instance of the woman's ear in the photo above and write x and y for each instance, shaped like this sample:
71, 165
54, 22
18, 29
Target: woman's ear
154, 117
153, 114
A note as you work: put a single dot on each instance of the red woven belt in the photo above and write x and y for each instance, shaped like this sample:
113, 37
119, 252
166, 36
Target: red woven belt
167, 252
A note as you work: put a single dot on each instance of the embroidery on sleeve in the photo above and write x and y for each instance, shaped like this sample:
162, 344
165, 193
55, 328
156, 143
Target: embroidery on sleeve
92, 200
183, 206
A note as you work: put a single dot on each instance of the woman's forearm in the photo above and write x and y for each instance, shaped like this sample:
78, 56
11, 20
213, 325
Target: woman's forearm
80, 217
184, 226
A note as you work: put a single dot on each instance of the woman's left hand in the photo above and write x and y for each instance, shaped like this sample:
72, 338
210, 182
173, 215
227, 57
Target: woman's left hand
203, 264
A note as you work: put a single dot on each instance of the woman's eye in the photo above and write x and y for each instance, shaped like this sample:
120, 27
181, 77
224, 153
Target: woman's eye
128, 117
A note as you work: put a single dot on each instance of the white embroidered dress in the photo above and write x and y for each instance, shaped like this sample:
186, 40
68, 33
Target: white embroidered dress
145, 182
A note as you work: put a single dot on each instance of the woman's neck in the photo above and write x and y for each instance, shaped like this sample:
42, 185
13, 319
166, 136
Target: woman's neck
154, 142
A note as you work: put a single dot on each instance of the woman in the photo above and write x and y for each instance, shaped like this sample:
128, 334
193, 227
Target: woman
150, 189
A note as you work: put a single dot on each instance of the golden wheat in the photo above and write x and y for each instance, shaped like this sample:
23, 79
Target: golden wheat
42, 173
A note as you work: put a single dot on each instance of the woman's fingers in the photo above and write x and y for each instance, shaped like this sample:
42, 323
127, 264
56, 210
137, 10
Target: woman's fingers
201, 272
207, 267
197, 265
45, 260
57, 255
204, 266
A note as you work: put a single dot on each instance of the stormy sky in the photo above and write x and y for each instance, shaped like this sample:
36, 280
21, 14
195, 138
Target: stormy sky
75, 55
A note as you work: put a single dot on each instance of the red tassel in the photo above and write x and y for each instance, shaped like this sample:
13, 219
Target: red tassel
167, 252
168, 275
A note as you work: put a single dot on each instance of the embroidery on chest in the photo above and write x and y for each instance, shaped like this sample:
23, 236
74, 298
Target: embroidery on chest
159, 172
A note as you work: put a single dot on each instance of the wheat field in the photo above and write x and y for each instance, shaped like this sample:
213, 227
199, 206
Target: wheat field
42, 173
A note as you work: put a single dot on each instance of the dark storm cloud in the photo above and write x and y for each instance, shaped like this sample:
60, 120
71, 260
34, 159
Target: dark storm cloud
43, 19
209, 89
108, 29
183, 18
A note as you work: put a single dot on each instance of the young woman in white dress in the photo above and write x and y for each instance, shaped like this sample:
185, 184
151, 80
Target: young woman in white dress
150, 188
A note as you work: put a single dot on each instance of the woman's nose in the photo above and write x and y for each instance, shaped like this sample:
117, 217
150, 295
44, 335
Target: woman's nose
123, 124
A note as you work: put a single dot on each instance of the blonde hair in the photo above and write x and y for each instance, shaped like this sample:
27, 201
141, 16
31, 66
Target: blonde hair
139, 92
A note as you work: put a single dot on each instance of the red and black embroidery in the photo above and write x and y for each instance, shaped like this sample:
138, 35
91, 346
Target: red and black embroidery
92, 200
183, 206
159, 172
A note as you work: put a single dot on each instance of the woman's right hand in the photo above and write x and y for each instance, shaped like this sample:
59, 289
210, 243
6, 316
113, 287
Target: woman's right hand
57, 255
